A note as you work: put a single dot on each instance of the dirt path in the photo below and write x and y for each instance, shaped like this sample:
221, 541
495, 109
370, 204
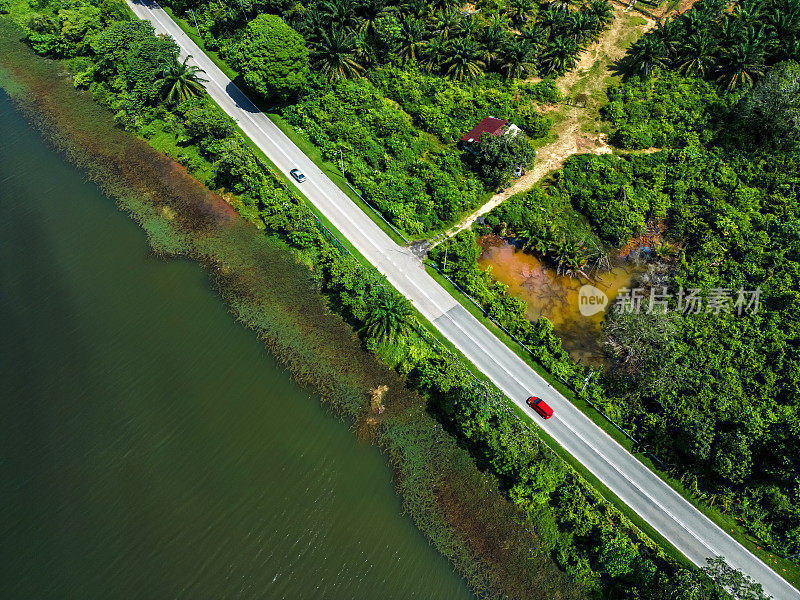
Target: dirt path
585, 86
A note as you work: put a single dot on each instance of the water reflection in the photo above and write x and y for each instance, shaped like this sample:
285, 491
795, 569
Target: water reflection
555, 297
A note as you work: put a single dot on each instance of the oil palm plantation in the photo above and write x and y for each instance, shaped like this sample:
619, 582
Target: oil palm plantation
335, 55
492, 42
697, 55
444, 5
518, 57
410, 38
415, 8
581, 27
521, 11
389, 318
550, 19
434, 53
646, 55
669, 34
559, 56
563, 5
535, 35
447, 23
602, 12
180, 81
740, 66
339, 12
371, 11
463, 59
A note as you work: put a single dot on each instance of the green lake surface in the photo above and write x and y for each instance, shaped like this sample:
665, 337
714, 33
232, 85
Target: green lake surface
149, 446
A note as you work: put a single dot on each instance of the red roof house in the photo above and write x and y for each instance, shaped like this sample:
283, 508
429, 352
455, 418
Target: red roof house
490, 125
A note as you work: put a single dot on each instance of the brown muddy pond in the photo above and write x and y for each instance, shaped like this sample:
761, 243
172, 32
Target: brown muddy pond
556, 297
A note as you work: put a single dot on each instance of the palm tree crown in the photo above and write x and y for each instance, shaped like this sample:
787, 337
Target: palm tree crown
335, 55
411, 38
463, 59
646, 54
517, 59
181, 81
388, 319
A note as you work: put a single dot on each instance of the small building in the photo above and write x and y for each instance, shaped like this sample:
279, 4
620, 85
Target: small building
492, 126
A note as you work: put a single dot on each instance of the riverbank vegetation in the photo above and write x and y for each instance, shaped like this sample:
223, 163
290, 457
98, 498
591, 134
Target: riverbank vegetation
487, 492
711, 390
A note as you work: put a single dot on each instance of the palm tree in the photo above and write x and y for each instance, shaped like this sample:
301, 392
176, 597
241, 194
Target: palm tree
364, 52
559, 56
500, 21
669, 34
339, 12
492, 42
181, 81
697, 55
433, 54
470, 26
535, 35
521, 11
518, 58
741, 65
447, 23
389, 318
371, 11
602, 11
550, 19
335, 55
570, 256
411, 38
463, 59
748, 11
581, 26
444, 5
731, 30
415, 8
785, 23
646, 54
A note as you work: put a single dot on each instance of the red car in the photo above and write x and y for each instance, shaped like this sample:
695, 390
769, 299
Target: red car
540, 406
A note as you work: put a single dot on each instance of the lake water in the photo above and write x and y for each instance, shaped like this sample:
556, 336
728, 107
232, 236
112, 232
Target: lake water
149, 447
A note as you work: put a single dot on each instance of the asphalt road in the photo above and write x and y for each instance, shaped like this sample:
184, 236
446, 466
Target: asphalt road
664, 509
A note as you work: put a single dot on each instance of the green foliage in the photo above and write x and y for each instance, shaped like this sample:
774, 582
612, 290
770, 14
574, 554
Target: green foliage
498, 156
388, 318
665, 112
272, 58
772, 109
573, 520
448, 109
348, 37
617, 194
462, 255
180, 81
732, 45
416, 184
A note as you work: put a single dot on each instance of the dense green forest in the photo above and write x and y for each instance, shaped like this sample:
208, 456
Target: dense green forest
139, 77
405, 70
714, 394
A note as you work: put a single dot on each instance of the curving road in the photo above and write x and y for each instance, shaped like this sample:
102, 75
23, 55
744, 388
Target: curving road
664, 509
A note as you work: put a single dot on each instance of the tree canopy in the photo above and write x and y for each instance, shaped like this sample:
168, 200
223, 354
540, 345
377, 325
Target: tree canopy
272, 58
